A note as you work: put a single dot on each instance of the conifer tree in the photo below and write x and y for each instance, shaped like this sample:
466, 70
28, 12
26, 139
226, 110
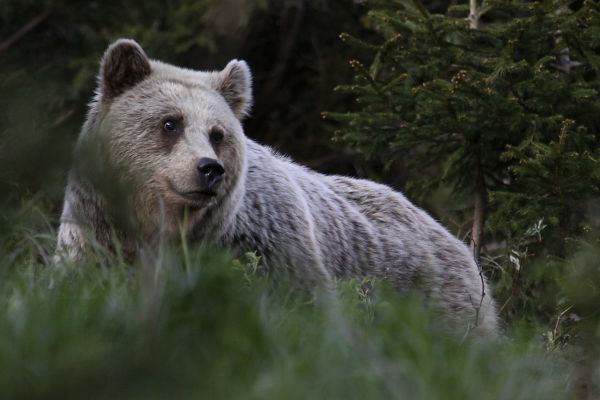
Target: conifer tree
495, 99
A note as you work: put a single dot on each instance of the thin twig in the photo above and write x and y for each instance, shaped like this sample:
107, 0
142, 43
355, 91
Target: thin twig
505, 303
478, 307
513, 291
555, 330
31, 25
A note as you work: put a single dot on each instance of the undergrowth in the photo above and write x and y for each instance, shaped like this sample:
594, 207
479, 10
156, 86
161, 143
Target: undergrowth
194, 323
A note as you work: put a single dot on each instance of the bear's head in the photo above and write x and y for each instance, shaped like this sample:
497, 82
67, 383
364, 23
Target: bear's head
174, 133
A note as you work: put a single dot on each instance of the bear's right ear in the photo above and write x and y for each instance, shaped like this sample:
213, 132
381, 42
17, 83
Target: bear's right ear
124, 64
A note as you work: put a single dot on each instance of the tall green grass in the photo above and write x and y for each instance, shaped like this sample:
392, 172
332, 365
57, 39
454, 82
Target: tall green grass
193, 323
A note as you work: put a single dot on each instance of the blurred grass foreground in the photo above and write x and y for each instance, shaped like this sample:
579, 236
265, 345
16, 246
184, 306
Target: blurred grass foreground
195, 324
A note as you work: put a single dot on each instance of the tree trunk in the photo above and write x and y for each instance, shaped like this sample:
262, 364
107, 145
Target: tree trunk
478, 214
473, 14
480, 189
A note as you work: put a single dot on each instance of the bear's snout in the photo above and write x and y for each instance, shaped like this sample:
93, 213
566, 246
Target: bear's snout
210, 173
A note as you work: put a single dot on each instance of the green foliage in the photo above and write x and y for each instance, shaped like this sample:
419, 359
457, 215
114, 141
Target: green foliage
509, 110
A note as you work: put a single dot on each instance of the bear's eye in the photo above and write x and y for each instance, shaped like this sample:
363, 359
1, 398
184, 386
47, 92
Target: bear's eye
216, 136
171, 126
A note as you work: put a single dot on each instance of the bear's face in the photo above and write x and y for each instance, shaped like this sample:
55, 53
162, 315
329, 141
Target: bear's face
175, 132
180, 140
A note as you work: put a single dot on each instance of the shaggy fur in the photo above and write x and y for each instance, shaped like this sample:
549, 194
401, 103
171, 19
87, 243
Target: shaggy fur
321, 227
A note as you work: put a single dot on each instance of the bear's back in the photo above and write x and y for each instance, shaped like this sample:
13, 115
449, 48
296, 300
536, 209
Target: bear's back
283, 201
361, 227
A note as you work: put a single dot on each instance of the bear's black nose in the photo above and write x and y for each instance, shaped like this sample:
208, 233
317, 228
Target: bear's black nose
211, 172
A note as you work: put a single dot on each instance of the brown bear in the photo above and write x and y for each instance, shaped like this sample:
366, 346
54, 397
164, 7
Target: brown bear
175, 136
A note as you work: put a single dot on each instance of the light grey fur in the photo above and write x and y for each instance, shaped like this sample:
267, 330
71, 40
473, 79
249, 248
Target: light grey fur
322, 227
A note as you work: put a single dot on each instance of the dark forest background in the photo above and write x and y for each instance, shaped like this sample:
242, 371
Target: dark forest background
486, 114
292, 47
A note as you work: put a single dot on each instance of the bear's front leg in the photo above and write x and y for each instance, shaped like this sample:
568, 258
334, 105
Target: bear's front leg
70, 243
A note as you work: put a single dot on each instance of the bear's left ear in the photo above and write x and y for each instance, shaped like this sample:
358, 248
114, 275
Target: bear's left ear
234, 83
